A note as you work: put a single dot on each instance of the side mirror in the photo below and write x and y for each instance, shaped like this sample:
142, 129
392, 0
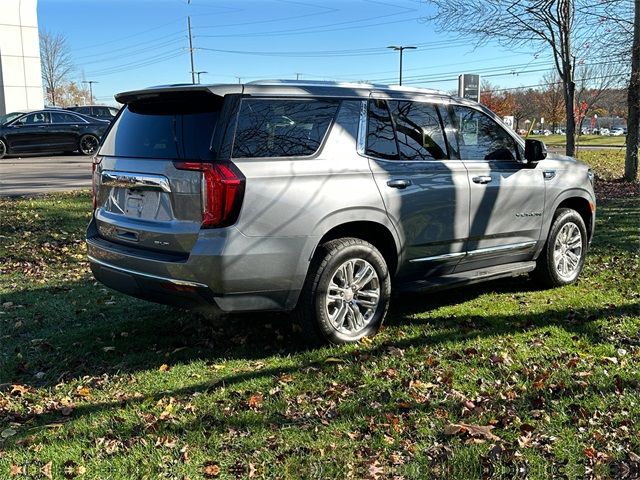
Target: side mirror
534, 151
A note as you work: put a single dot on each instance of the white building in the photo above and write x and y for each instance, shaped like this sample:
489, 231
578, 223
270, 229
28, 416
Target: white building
20, 74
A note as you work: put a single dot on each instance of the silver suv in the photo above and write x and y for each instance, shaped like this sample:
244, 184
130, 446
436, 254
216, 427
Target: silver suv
317, 198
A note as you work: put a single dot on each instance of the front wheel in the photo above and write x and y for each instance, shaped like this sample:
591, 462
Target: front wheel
346, 294
88, 144
564, 253
3, 149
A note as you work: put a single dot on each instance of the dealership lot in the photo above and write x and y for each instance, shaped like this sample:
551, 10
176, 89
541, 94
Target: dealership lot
41, 174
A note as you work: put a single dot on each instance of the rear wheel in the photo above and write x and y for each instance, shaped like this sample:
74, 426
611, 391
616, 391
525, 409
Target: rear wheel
3, 149
564, 252
88, 144
346, 294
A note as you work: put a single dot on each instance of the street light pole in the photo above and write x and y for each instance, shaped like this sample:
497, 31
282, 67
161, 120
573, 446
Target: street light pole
401, 48
90, 82
198, 73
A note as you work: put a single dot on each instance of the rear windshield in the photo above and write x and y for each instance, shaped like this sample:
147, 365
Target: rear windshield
167, 127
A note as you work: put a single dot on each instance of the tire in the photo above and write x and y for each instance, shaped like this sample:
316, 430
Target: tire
562, 258
332, 309
88, 144
3, 149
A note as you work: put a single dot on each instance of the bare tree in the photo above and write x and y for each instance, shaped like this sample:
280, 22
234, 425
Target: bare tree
525, 105
551, 100
622, 38
633, 101
56, 63
594, 82
552, 23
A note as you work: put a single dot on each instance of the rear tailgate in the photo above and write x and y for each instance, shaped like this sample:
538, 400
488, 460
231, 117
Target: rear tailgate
142, 199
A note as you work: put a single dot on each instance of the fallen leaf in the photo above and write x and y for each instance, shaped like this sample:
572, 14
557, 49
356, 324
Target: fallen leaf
7, 432
83, 392
16, 470
211, 469
590, 452
164, 367
19, 389
483, 431
255, 400
46, 470
108, 349
333, 360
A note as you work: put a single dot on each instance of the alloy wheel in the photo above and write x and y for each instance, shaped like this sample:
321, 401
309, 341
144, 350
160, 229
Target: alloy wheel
567, 250
88, 145
353, 296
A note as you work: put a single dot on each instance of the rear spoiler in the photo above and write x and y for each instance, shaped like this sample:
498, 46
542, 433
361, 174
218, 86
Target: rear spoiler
153, 92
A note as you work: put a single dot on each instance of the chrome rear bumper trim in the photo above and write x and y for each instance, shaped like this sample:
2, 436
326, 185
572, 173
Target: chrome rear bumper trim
185, 283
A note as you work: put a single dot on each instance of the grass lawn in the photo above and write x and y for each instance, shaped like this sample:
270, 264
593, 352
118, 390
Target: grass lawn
489, 380
583, 140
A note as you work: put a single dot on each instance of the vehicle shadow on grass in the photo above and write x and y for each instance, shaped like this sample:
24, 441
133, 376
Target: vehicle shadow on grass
61, 333
63, 338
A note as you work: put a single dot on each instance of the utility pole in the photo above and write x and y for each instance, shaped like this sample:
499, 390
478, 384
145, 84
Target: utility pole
193, 69
90, 82
401, 48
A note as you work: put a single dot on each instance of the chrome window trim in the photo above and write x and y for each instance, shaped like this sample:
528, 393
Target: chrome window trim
137, 181
147, 275
362, 129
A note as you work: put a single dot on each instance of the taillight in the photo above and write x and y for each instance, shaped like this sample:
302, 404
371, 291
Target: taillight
95, 161
222, 192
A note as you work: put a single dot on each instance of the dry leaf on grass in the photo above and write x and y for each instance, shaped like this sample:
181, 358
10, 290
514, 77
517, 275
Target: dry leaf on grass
483, 431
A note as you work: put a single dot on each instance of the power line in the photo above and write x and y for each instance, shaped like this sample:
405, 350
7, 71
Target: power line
154, 41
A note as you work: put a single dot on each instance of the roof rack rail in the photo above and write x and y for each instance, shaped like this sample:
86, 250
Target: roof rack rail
330, 83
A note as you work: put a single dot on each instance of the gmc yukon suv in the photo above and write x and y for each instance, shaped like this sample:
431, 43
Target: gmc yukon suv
318, 198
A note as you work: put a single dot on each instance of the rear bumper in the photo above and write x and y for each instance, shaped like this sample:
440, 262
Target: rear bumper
225, 270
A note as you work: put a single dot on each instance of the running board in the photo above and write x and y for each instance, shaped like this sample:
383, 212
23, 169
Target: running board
468, 278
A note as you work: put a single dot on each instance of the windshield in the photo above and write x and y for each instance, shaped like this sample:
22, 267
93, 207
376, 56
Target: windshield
6, 118
167, 127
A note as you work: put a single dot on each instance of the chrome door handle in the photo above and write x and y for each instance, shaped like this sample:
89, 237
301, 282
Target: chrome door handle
401, 183
482, 179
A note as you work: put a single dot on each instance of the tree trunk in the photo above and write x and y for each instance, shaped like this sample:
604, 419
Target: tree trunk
633, 101
569, 98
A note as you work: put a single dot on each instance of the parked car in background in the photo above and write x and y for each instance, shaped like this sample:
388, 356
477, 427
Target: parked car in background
616, 132
50, 131
603, 131
101, 112
317, 197
7, 117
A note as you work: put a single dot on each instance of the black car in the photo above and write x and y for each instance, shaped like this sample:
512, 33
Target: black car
51, 131
101, 112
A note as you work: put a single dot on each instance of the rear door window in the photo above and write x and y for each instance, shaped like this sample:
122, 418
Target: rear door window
60, 117
419, 131
381, 138
282, 128
404, 130
167, 127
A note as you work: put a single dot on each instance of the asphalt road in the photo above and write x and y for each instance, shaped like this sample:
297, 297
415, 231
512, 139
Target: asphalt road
32, 175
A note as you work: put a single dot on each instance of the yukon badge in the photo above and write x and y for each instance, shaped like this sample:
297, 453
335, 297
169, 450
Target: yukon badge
529, 214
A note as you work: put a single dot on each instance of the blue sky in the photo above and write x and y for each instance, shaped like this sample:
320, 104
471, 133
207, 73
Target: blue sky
127, 45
